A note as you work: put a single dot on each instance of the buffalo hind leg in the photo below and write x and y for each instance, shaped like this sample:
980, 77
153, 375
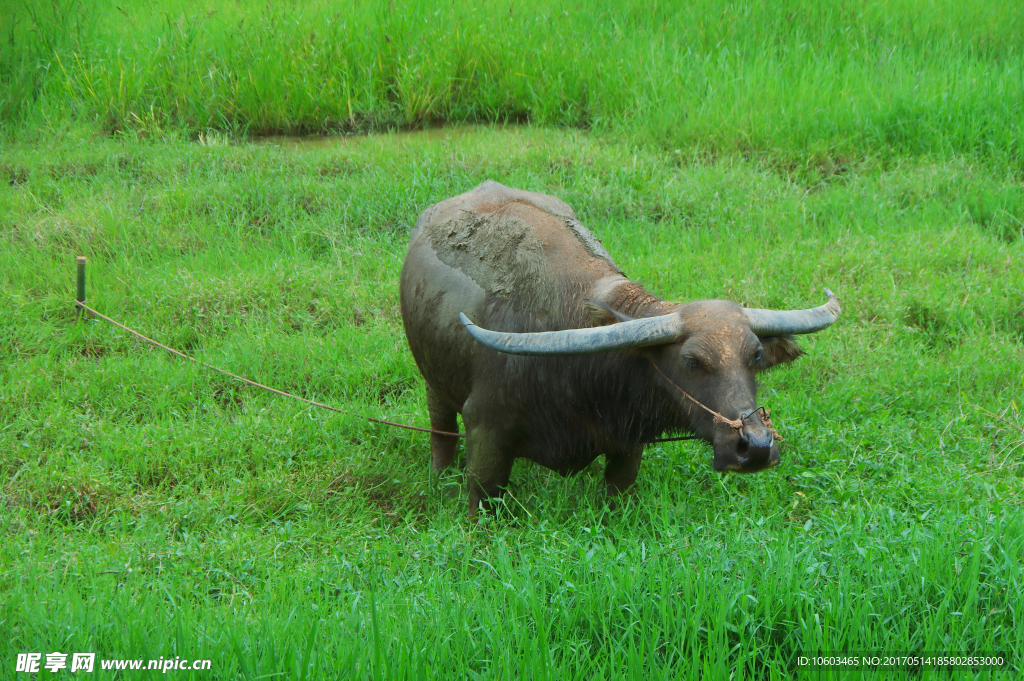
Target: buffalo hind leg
442, 417
488, 467
621, 469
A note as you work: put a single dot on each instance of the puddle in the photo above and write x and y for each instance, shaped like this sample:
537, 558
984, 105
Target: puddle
438, 134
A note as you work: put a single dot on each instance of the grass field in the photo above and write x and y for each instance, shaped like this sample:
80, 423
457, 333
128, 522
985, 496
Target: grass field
793, 80
150, 508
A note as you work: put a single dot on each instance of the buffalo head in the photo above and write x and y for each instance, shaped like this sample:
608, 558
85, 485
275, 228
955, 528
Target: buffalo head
702, 353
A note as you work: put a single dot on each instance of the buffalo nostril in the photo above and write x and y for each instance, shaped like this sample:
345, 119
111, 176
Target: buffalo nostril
759, 449
759, 439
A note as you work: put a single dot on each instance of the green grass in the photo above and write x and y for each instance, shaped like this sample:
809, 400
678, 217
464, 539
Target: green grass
151, 508
797, 81
750, 151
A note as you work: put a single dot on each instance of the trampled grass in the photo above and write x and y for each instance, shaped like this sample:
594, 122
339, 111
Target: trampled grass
798, 81
153, 509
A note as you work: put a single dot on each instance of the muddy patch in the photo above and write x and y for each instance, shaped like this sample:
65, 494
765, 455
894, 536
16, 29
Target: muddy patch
299, 143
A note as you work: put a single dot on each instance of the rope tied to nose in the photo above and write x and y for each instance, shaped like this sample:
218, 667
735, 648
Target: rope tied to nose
735, 424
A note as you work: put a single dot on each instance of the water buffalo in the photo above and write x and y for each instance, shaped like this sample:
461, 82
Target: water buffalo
565, 358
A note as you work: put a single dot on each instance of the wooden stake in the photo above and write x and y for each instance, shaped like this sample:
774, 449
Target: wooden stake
80, 293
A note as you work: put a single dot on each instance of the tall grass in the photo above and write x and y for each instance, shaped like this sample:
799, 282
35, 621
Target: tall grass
800, 80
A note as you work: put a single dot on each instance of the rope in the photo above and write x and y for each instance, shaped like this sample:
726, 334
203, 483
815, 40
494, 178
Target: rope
260, 385
735, 424
243, 379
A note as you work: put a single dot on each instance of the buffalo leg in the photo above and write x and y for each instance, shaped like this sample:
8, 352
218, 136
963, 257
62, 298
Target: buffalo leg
621, 469
442, 417
488, 467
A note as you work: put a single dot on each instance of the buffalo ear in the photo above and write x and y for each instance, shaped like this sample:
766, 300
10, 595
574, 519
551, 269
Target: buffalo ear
779, 350
602, 315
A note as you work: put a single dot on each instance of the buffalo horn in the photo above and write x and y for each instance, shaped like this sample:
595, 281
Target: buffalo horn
636, 333
783, 323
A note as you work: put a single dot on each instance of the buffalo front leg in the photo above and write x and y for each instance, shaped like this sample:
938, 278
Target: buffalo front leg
621, 469
488, 467
442, 417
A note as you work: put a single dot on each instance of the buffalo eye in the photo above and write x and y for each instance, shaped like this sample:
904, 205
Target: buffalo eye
758, 356
692, 362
